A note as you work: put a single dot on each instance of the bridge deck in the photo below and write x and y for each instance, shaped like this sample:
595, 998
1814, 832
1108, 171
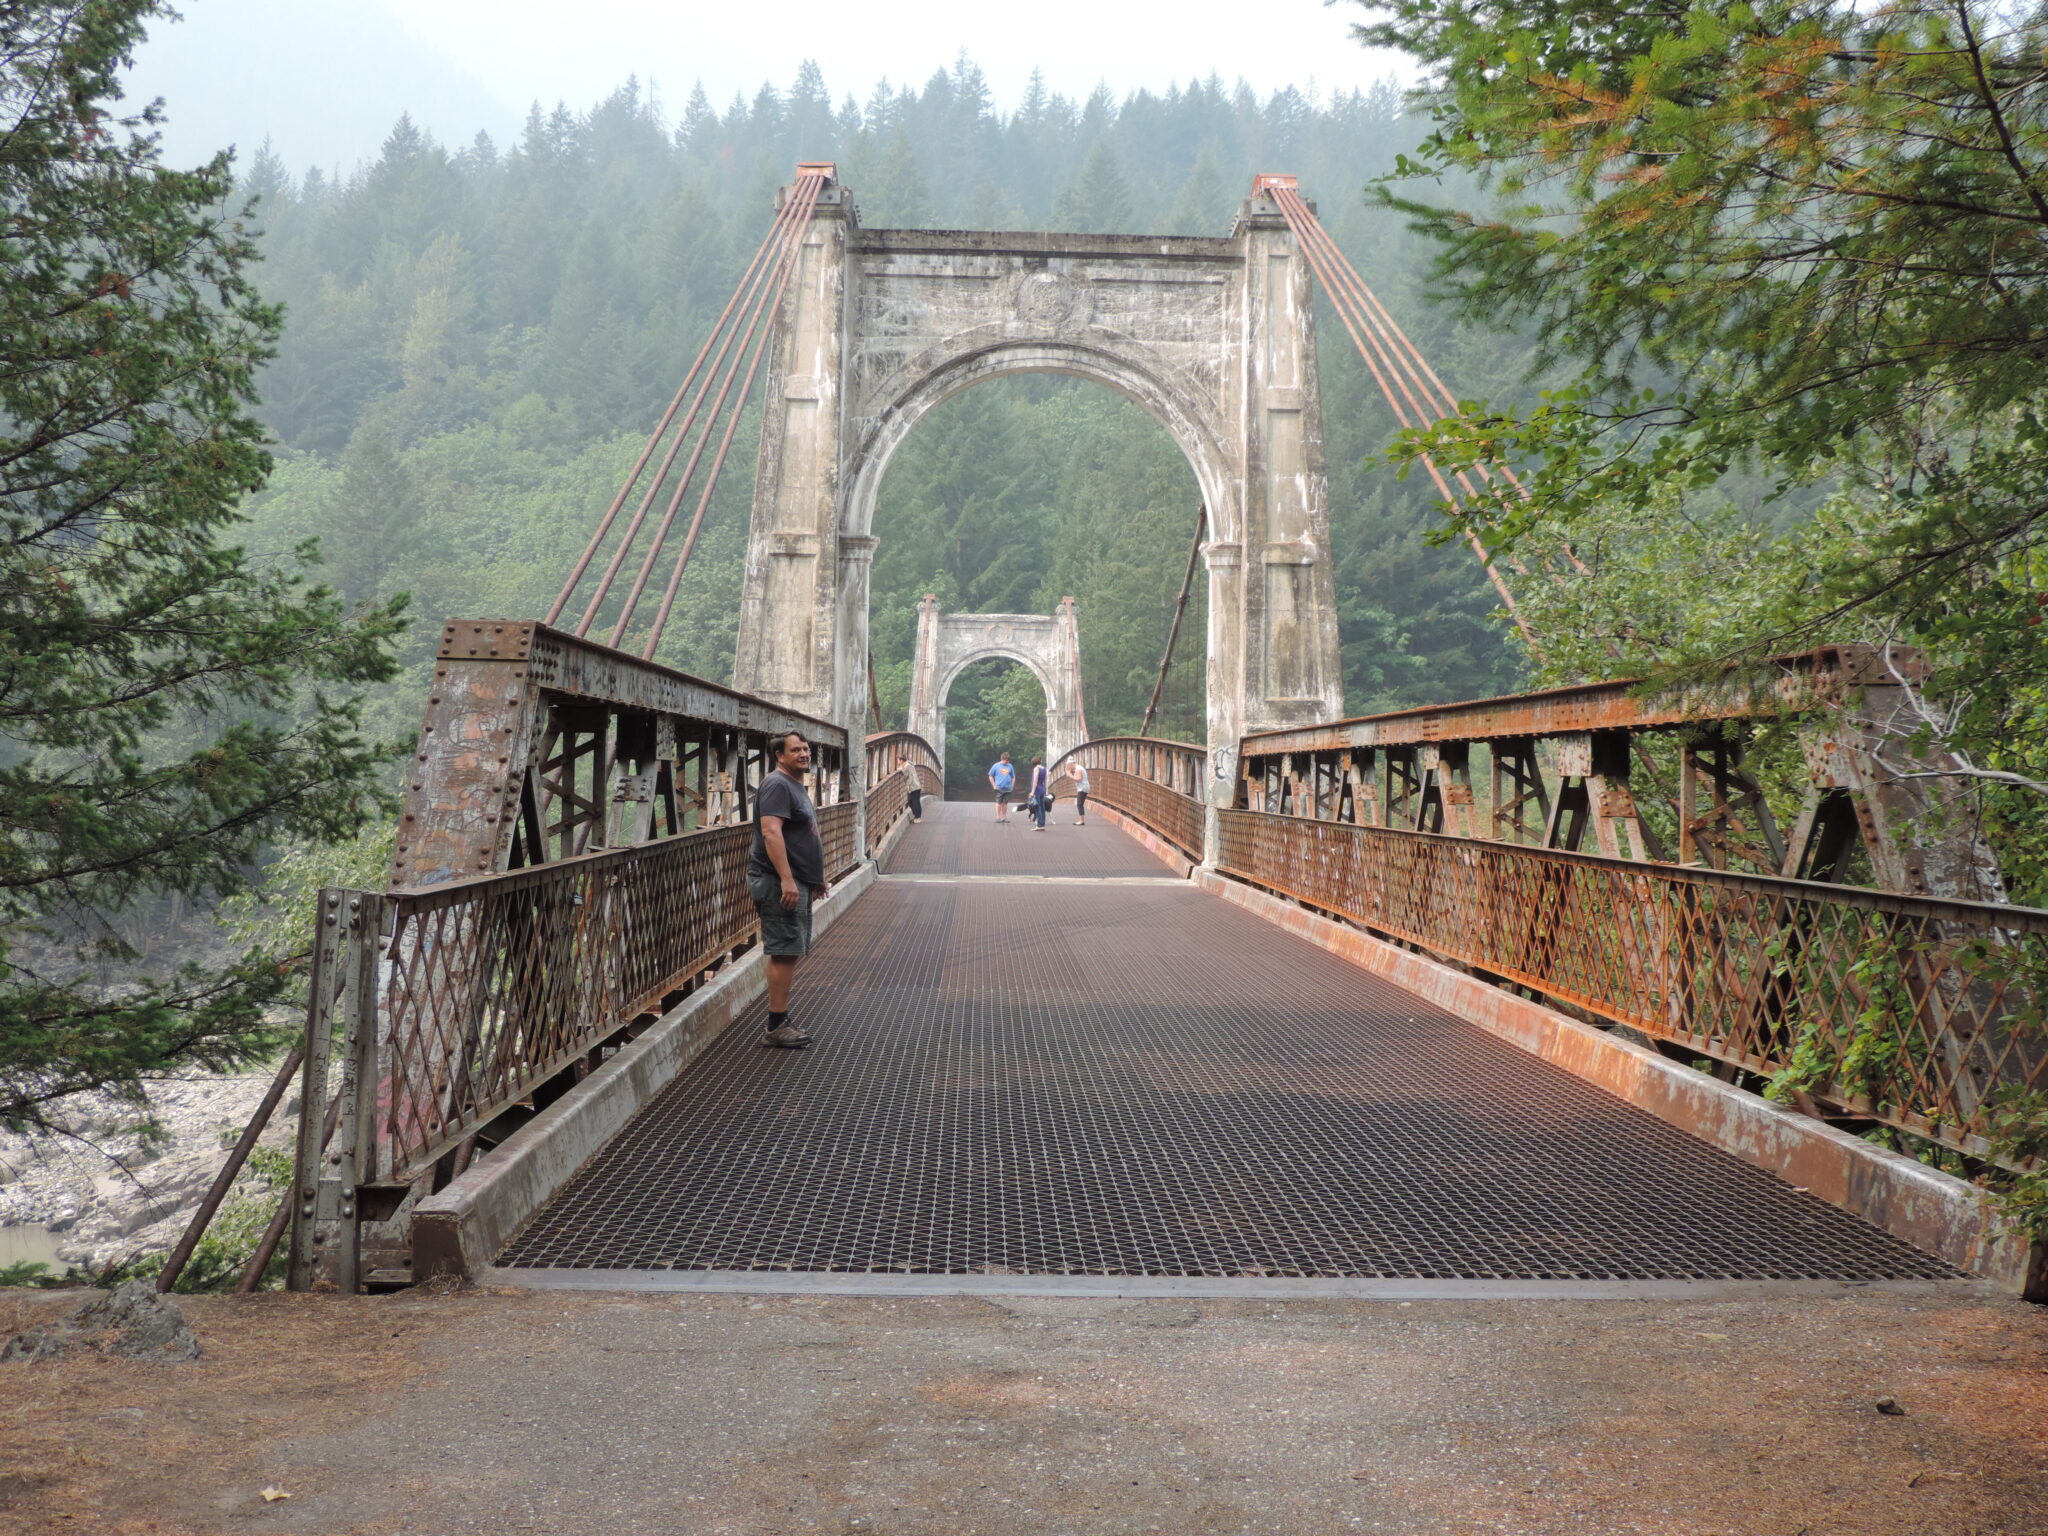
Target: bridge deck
1137, 1079
960, 837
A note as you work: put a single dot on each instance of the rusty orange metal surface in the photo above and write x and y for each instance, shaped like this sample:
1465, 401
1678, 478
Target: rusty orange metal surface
1156, 783
1811, 680
490, 986
1912, 1012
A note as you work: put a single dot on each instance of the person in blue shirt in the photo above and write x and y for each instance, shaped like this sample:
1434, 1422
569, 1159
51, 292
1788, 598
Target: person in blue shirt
1002, 778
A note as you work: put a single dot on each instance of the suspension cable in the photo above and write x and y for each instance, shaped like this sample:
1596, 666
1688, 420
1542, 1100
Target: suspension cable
747, 283
1343, 286
730, 351
1180, 609
806, 196
1404, 354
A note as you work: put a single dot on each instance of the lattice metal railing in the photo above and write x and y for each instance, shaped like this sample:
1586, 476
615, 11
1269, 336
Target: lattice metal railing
889, 801
1913, 1012
895, 761
1156, 783
450, 1004
1166, 812
1661, 775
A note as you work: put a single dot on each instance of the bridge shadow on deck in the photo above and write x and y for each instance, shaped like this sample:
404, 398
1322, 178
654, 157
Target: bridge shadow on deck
1133, 1079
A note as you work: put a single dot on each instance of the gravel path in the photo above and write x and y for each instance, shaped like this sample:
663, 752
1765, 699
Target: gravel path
735, 1416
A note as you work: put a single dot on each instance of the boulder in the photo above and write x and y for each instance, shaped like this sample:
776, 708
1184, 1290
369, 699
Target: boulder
132, 1322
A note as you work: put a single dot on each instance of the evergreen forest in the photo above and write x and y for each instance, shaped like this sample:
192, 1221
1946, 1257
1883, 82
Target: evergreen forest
477, 339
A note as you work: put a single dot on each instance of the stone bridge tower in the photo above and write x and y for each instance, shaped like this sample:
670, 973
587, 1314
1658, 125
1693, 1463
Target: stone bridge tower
1214, 337
949, 643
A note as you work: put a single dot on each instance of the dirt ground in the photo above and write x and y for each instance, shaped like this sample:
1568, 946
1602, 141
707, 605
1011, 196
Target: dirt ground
616, 1415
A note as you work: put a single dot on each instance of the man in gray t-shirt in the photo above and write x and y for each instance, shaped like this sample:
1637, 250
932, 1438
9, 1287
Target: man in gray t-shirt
785, 876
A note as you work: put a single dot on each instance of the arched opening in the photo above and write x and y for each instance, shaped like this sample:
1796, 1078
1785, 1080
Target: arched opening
1009, 496
994, 705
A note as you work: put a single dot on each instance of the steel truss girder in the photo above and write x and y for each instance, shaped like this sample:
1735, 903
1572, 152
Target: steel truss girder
539, 745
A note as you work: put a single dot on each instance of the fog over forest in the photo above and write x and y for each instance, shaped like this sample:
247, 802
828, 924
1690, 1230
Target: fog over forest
479, 335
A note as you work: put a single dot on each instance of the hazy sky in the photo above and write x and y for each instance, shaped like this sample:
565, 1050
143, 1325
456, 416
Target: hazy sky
325, 78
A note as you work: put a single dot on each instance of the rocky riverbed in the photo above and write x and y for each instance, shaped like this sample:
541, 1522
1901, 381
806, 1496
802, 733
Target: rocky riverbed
104, 1192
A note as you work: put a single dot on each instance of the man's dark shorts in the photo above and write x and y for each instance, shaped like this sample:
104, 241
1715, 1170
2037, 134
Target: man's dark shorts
785, 931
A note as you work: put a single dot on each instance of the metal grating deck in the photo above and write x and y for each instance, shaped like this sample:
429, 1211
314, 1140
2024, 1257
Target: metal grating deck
960, 837
1142, 1080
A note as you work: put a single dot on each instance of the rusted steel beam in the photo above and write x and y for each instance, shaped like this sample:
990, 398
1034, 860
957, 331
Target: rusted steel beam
1811, 680
525, 730
584, 669
1930, 999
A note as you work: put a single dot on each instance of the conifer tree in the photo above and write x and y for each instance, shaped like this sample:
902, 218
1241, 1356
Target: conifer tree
1828, 223
165, 703
1099, 201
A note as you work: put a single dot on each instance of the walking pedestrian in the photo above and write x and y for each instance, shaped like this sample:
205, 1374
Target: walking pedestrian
1002, 778
1079, 774
1041, 793
786, 877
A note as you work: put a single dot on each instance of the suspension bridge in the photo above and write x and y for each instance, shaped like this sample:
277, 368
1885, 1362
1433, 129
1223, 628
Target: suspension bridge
1472, 995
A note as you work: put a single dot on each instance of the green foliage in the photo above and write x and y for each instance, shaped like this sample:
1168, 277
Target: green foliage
278, 918
166, 706
31, 1274
1797, 249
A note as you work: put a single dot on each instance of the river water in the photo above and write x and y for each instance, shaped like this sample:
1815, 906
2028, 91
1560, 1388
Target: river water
29, 1244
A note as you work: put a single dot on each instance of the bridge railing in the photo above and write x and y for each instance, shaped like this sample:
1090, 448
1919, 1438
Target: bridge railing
1659, 775
450, 1004
1158, 784
896, 760
1911, 1012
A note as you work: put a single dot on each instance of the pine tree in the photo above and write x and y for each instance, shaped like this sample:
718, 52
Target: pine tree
1099, 201
165, 708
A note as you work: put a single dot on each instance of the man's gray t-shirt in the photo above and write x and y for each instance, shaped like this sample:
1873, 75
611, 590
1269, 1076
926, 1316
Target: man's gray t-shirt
780, 795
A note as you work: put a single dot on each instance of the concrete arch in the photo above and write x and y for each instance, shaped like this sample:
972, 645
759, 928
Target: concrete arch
1117, 362
1047, 647
1215, 338
1022, 657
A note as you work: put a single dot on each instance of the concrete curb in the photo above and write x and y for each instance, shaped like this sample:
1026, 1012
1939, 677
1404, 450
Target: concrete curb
815, 1282
1931, 1210
1149, 840
463, 1228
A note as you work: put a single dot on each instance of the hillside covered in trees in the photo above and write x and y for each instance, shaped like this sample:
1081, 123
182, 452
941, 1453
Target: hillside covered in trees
478, 337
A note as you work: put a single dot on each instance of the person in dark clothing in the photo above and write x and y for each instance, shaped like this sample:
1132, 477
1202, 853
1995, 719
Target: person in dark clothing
1041, 794
786, 877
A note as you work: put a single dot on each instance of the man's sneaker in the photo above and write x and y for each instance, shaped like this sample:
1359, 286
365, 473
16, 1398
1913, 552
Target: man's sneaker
789, 1037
